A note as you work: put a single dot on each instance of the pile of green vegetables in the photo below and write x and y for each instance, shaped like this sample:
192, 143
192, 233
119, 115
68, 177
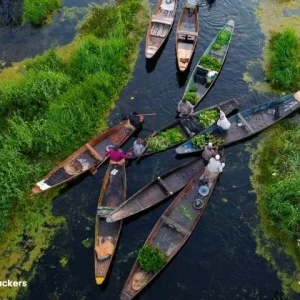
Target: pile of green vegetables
165, 139
210, 63
208, 117
151, 259
193, 89
223, 39
200, 141
192, 97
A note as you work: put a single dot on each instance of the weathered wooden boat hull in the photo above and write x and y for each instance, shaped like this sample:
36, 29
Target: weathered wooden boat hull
158, 190
249, 122
113, 193
198, 77
88, 156
172, 230
228, 107
160, 26
186, 37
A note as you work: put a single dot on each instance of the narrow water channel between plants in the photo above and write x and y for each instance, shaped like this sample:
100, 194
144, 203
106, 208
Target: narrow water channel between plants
219, 261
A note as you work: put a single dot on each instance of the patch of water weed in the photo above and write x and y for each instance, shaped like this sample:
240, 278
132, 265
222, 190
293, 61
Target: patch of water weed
38, 11
63, 261
87, 243
53, 104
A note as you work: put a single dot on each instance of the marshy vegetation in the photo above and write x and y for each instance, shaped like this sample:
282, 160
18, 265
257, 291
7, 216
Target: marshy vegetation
37, 11
276, 180
284, 60
54, 104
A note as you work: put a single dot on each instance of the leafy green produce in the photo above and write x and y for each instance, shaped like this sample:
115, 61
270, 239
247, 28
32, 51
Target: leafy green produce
202, 140
151, 259
210, 63
193, 89
216, 46
208, 117
165, 139
224, 37
192, 97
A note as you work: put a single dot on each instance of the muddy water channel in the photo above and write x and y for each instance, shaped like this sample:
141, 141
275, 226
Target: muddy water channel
219, 261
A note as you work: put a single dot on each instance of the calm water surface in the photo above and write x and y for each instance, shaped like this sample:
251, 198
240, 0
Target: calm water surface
219, 260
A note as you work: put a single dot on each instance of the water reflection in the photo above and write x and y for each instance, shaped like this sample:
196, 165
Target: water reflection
10, 12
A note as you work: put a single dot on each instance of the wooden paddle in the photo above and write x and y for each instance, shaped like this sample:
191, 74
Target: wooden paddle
94, 169
146, 146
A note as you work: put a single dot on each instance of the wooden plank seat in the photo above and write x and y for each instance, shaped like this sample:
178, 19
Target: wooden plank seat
175, 225
165, 186
246, 124
95, 153
159, 19
191, 33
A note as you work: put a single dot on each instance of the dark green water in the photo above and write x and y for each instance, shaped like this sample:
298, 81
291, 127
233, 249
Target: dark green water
219, 259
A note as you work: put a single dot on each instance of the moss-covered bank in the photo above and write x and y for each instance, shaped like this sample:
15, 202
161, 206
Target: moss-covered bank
49, 106
276, 180
38, 11
276, 163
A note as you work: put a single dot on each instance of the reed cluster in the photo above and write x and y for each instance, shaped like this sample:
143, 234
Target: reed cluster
37, 11
283, 70
60, 102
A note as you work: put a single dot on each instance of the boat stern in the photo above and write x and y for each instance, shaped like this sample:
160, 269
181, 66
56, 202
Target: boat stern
150, 51
36, 190
99, 280
230, 23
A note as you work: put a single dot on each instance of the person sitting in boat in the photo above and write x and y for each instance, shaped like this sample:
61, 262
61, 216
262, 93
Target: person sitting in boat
116, 155
214, 165
223, 123
138, 147
185, 108
209, 152
135, 120
210, 76
192, 5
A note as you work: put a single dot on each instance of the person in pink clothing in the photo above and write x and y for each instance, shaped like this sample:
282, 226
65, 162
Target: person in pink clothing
116, 155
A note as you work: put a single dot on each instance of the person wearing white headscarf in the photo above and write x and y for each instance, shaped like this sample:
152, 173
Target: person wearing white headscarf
208, 152
223, 122
214, 165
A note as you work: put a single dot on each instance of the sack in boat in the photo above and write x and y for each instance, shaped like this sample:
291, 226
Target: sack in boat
74, 168
104, 249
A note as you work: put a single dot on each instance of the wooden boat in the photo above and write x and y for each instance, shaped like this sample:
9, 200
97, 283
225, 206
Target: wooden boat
248, 123
113, 193
185, 126
88, 156
158, 190
172, 230
160, 26
186, 37
198, 77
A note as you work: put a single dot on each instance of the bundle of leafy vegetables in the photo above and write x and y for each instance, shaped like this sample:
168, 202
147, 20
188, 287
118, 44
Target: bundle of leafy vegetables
223, 39
192, 97
193, 89
208, 117
165, 139
151, 259
210, 63
200, 141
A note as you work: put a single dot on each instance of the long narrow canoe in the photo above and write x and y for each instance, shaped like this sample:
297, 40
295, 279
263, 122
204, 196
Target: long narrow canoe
198, 77
247, 123
184, 126
160, 26
158, 190
171, 231
113, 193
186, 37
86, 157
